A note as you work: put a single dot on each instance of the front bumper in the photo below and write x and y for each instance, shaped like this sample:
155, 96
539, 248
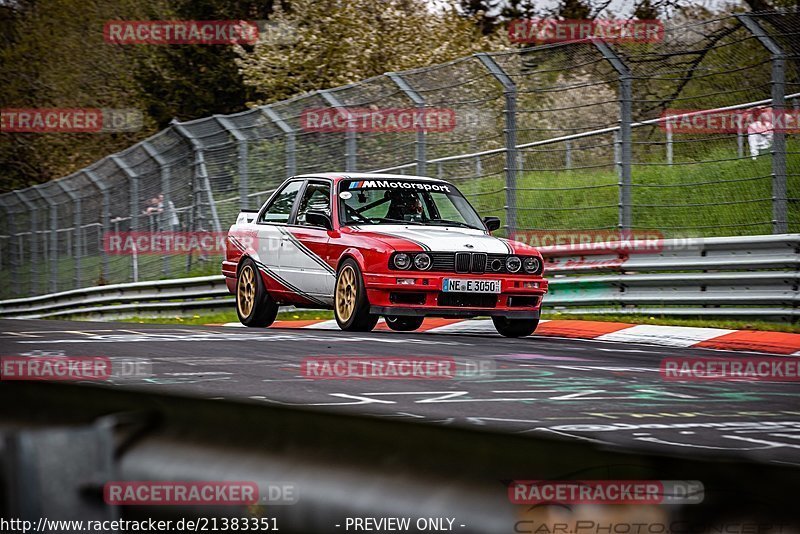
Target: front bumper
517, 300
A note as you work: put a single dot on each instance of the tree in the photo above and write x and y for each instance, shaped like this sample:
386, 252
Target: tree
56, 55
336, 43
574, 9
57, 58
194, 81
492, 13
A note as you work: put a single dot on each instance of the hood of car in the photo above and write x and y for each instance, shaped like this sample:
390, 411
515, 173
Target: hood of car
436, 238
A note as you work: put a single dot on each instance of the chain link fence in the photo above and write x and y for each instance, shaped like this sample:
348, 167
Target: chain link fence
558, 137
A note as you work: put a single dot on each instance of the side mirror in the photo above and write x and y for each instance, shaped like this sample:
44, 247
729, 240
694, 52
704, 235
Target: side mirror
317, 218
492, 223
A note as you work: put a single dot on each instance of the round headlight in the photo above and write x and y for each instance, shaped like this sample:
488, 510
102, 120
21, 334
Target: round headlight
531, 265
402, 261
513, 264
422, 262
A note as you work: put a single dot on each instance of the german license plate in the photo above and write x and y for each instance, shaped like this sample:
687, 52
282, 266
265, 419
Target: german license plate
457, 285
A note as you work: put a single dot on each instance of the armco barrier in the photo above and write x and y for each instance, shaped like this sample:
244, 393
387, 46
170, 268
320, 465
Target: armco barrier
118, 300
725, 276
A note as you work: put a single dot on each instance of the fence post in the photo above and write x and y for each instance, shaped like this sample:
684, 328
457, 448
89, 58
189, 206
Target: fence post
626, 117
291, 161
418, 101
510, 131
350, 135
53, 237
166, 189
34, 236
13, 250
134, 207
77, 222
739, 139
780, 224
133, 182
568, 154
105, 217
201, 173
241, 144
669, 142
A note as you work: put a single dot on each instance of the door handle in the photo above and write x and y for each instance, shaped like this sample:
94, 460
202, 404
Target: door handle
285, 238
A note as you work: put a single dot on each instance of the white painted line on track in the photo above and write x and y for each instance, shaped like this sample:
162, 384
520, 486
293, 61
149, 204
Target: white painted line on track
467, 327
330, 324
674, 336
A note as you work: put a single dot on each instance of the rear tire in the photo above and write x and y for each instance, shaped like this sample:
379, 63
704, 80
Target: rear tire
350, 304
254, 306
404, 323
515, 327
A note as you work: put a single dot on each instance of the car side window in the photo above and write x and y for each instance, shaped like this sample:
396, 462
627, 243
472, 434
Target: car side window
317, 197
281, 207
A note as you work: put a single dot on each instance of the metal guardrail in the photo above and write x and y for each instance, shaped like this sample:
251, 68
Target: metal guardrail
198, 293
726, 276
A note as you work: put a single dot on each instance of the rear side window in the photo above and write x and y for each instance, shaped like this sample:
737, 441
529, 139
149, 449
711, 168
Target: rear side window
280, 208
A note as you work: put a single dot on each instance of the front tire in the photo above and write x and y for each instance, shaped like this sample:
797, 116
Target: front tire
403, 323
350, 304
515, 327
254, 306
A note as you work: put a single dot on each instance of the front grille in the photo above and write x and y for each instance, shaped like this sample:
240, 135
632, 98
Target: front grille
502, 259
443, 261
478, 262
463, 262
495, 264
467, 300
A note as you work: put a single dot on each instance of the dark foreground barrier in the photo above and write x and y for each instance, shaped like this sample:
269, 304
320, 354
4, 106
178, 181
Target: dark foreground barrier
320, 472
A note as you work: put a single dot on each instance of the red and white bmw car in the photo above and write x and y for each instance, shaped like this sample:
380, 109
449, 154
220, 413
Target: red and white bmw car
371, 245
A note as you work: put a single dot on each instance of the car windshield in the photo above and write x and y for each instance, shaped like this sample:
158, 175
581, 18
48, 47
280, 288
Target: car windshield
365, 202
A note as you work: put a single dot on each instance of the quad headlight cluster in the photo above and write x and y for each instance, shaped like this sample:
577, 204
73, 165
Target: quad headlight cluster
529, 264
403, 261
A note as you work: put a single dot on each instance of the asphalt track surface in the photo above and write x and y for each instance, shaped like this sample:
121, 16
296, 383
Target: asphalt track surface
607, 393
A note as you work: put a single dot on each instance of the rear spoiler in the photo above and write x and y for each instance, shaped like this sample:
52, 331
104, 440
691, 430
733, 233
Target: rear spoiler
246, 216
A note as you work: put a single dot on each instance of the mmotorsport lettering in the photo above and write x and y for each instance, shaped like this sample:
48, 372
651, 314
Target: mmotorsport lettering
386, 184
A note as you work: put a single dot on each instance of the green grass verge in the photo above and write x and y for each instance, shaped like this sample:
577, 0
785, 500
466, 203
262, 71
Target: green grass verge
702, 195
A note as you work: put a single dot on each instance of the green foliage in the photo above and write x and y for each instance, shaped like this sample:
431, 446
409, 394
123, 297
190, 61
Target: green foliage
58, 58
331, 43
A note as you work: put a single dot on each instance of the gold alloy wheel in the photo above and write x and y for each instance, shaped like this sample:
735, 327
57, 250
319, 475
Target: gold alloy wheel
246, 292
346, 293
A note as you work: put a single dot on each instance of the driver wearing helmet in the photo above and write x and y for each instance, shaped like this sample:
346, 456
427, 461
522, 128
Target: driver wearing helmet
405, 205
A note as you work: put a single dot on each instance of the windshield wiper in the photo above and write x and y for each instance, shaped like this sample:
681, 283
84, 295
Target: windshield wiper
446, 222
387, 219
